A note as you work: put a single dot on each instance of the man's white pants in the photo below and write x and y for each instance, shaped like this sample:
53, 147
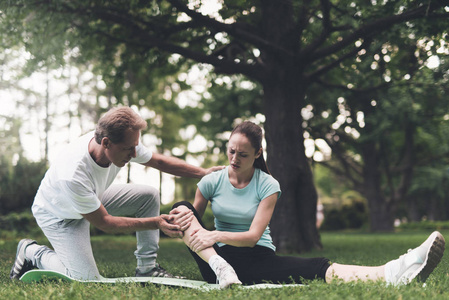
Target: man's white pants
70, 239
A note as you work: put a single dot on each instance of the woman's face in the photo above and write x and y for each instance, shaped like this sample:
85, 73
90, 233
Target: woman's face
241, 154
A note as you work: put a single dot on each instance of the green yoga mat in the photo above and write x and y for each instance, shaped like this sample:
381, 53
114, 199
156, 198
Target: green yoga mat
41, 275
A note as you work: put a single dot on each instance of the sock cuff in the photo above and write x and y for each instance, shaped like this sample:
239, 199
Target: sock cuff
214, 261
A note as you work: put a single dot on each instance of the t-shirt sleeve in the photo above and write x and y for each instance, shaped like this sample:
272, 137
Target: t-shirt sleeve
268, 186
207, 185
82, 199
143, 154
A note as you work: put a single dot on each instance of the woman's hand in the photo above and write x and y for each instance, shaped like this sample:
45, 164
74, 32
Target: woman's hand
201, 239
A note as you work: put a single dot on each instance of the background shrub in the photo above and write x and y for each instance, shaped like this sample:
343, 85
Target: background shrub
19, 184
349, 216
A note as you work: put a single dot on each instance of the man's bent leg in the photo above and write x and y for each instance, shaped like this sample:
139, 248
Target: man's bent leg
140, 201
72, 254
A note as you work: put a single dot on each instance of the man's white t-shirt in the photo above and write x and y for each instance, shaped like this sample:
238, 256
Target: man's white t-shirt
74, 183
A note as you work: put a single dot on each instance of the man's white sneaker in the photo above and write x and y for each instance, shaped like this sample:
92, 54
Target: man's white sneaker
417, 263
21, 263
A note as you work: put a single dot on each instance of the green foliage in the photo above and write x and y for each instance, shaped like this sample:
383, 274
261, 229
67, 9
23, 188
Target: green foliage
19, 177
231, 98
431, 184
343, 208
424, 226
14, 225
353, 213
383, 115
328, 184
19, 183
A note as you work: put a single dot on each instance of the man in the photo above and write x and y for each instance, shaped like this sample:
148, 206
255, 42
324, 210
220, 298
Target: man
76, 192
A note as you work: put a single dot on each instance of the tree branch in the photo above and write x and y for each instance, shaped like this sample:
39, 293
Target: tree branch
303, 18
356, 90
336, 62
327, 29
141, 37
379, 25
349, 166
342, 174
235, 30
222, 65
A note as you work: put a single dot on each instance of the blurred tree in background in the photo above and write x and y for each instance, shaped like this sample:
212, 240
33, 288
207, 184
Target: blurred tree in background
382, 121
19, 178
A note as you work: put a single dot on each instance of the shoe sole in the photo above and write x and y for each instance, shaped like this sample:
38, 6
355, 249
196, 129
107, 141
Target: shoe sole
433, 258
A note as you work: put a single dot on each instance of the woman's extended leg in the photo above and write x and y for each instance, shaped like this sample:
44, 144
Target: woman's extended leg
353, 273
417, 263
223, 270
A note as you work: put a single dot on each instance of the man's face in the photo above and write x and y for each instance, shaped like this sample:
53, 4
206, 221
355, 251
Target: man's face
121, 153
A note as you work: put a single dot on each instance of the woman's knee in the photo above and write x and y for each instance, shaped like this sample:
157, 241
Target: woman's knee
183, 205
187, 205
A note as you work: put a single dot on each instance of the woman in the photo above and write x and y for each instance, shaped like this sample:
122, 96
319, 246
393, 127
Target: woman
243, 197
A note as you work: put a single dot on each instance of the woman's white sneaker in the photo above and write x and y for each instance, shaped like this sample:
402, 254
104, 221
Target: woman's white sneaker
417, 263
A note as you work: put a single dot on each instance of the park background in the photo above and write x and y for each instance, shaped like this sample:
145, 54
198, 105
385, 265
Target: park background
351, 96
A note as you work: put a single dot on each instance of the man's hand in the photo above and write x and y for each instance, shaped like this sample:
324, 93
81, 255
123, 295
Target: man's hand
171, 230
213, 169
201, 239
182, 218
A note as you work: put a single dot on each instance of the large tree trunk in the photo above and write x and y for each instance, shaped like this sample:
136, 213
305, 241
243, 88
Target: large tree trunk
380, 210
293, 223
378, 171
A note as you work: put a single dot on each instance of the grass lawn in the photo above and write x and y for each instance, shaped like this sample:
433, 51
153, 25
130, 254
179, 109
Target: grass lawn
114, 255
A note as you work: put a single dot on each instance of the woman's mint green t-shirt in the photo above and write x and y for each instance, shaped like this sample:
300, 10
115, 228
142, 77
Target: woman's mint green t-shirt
234, 209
